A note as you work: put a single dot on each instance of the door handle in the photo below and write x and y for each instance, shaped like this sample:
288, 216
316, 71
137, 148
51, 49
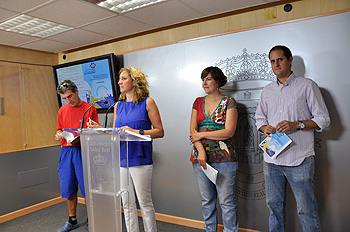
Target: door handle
2, 106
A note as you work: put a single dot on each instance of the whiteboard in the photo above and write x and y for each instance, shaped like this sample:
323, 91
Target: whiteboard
320, 48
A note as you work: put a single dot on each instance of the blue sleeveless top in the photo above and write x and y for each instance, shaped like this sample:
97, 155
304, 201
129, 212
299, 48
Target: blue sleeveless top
136, 117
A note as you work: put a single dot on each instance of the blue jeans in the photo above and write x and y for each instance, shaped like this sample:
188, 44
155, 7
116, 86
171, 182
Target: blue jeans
300, 179
224, 190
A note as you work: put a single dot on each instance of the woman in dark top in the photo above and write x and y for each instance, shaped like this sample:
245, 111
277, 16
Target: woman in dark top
213, 123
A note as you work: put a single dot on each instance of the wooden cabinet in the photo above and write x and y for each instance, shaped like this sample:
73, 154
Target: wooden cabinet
28, 107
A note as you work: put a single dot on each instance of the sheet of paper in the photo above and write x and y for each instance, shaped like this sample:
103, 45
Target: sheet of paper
67, 135
211, 173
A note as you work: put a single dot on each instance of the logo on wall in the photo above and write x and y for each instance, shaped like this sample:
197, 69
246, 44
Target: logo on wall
247, 75
91, 70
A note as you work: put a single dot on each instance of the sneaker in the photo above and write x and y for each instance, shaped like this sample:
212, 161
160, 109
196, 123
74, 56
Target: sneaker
68, 227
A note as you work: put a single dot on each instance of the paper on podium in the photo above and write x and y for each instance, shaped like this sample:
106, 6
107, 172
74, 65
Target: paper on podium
211, 173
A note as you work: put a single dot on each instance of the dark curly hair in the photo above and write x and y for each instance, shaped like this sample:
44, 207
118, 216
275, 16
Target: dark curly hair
216, 73
66, 85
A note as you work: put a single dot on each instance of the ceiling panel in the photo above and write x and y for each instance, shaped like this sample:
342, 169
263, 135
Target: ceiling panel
48, 45
79, 37
5, 14
118, 26
73, 13
164, 13
14, 39
20, 6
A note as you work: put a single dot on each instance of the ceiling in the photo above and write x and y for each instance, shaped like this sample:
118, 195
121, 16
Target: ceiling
93, 24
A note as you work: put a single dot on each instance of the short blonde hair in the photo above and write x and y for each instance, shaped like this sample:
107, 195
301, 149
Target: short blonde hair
140, 83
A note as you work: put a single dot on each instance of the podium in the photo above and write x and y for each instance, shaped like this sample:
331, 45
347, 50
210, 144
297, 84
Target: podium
101, 165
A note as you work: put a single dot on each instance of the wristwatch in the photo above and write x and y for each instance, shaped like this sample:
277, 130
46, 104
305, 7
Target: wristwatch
141, 131
301, 125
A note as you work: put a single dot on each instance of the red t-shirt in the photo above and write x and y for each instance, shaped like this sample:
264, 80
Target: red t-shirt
69, 117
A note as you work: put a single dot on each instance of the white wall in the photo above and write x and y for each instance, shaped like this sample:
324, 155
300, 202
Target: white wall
320, 48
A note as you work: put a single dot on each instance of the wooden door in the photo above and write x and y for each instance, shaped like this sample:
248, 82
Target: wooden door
12, 120
41, 105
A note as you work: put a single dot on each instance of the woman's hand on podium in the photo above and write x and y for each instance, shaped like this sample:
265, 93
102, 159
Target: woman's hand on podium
130, 129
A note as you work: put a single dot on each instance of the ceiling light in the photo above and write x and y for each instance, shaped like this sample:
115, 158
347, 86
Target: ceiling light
121, 6
28, 25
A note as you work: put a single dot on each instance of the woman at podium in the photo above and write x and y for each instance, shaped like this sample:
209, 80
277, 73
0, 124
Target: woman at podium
138, 113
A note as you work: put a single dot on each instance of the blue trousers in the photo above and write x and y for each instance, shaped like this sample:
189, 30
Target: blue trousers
300, 179
70, 172
224, 190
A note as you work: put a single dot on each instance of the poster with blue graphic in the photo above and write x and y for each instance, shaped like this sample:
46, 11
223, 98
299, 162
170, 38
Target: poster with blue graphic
93, 80
275, 144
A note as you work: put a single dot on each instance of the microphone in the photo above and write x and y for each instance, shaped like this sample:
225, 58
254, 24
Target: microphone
82, 119
106, 117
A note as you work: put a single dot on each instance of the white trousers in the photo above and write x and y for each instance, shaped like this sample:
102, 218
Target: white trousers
140, 178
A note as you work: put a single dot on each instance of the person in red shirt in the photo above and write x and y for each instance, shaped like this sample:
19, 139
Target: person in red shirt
70, 168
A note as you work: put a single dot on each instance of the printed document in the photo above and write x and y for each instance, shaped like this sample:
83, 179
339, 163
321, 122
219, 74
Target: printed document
275, 144
211, 173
